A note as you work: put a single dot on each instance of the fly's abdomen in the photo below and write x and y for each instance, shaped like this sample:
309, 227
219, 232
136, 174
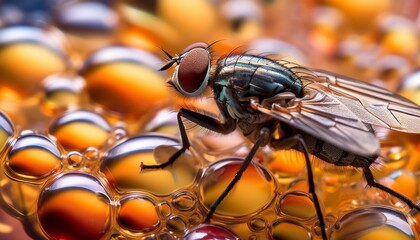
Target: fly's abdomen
334, 154
253, 76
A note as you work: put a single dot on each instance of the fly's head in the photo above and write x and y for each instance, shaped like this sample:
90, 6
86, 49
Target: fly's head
192, 70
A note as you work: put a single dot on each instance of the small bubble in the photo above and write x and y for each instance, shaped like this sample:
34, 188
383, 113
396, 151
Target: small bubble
297, 204
74, 159
165, 209
137, 214
184, 201
288, 229
257, 224
195, 219
91, 154
176, 224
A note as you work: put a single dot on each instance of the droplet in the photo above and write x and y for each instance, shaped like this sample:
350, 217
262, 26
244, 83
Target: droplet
297, 204
137, 214
80, 129
74, 206
210, 231
176, 224
184, 201
291, 230
125, 81
373, 223
253, 192
61, 92
6, 130
32, 157
35, 50
74, 159
257, 224
121, 165
165, 209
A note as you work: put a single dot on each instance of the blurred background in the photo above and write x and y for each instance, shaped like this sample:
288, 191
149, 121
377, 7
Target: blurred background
375, 41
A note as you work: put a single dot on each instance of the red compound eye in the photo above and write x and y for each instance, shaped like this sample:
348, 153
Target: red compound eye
193, 70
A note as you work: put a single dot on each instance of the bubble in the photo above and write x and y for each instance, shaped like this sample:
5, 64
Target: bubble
74, 206
373, 223
32, 157
297, 204
288, 229
121, 165
257, 224
184, 201
253, 192
137, 214
125, 81
410, 86
176, 224
6, 130
62, 92
210, 231
165, 209
28, 55
80, 129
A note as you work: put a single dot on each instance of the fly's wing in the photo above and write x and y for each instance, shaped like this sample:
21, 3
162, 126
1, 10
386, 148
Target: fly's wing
337, 109
374, 105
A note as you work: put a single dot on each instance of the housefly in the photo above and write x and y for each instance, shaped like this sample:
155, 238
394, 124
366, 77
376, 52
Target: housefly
287, 106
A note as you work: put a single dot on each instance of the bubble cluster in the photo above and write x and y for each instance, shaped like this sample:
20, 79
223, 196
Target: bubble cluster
83, 106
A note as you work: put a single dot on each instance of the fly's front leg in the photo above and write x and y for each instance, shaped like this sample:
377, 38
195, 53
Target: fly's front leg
200, 119
289, 142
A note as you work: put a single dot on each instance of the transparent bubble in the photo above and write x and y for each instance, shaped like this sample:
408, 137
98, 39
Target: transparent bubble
80, 129
32, 157
125, 81
373, 223
184, 201
37, 51
6, 130
253, 192
62, 92
210, 231
288, 229
137, 214
176, 224
297, 204
74, 206
121, 165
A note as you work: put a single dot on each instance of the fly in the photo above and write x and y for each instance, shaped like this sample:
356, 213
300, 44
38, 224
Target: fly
317, 112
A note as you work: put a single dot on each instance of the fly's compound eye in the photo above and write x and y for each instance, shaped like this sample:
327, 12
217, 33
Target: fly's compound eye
192, 74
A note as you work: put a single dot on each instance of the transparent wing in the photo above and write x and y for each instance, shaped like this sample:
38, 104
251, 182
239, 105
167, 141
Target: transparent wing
372, 104
337, 110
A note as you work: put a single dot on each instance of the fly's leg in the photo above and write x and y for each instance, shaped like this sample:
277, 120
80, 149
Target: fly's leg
289, 142
372, 183
173, 158
200, 119
262, 137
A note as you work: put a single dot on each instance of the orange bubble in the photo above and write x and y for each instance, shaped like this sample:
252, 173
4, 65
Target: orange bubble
24, 65
126, 88
74, 214
81, 135
34, 162
138, 215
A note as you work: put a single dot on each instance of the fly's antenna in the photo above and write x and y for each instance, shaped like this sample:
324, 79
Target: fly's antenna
170, 58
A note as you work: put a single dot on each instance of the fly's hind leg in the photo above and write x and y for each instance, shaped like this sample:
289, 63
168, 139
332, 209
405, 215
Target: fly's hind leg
289, 142
372, 183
